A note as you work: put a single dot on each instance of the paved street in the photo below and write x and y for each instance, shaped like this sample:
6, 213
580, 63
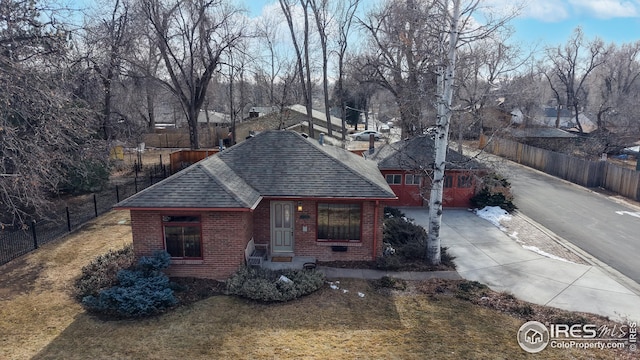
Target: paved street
603, 226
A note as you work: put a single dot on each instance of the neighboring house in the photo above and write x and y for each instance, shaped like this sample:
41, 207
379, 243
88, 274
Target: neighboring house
294, 196
292, 117
407, 167
547, 117
544, 137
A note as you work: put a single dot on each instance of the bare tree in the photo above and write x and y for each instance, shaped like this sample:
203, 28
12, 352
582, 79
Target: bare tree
302, 55
321, 15
461, 30
108, 39
571, 67
192, 36
483, 65
345, 18
402, 56
45, 132
615, 84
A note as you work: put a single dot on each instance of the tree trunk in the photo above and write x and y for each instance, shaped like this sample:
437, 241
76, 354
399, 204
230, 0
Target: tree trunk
445, 92
192, 119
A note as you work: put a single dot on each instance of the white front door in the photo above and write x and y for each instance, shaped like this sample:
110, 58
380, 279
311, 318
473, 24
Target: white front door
282, 226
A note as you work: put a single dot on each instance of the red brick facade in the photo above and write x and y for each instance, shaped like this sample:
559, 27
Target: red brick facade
225, 236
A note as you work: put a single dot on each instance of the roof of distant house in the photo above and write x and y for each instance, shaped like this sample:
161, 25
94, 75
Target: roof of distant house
541, 132
417, 153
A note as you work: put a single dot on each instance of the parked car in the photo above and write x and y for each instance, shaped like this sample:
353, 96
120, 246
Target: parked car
384, 128
364, 135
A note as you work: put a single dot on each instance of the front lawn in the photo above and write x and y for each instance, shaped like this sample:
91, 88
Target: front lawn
356, 319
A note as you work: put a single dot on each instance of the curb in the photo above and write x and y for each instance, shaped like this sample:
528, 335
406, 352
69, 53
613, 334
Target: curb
613, 273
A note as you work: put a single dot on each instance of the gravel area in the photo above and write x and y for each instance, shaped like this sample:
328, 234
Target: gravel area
535, 238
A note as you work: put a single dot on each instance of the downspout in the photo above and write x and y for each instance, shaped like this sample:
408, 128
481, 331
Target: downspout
375, 227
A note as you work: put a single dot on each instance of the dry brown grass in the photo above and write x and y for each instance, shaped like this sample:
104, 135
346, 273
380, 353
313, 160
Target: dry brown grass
39, 319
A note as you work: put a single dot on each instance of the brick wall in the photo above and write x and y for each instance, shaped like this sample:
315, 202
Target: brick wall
224, 238
305, 242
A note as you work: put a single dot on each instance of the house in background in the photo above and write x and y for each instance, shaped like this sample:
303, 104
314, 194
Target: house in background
407, 167
293, 117
290, 195
548, 116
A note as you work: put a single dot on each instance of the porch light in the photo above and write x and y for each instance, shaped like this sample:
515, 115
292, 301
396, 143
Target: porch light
299, 205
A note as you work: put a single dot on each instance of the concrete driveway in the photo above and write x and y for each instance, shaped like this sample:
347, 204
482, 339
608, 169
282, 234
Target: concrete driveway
486, 254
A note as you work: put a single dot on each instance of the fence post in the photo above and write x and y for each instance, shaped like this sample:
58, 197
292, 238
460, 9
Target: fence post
117, 194
135, 167
160, 159
135, 183
150, 178
68, 219
33, 233
95, 205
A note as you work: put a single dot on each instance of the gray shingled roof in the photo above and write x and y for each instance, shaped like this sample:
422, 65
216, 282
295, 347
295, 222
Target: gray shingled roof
417, 153
272, 163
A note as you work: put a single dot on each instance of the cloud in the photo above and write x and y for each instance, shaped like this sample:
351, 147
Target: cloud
558, 10
606, 9
547, 10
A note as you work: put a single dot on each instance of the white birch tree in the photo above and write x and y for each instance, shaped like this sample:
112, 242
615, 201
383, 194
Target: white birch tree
462, 29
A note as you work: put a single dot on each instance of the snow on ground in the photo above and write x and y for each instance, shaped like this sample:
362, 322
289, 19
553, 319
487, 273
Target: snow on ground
494, 214
544, 253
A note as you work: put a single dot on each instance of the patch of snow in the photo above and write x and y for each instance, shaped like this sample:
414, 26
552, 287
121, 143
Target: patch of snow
285, 279
494, 215
334, 287
544, 253
344, 291
634, 214
360, 294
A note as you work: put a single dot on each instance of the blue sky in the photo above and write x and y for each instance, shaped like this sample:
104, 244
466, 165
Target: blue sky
551, 22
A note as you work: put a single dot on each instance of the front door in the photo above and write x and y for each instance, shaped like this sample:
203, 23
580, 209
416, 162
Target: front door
282, 226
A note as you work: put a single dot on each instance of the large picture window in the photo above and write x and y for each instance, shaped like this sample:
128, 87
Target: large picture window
182, 236
339, 222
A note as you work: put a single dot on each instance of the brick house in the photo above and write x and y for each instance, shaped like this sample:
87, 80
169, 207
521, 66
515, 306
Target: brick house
407, 167
279, 191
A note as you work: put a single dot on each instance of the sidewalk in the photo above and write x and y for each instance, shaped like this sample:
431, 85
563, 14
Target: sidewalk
486, 254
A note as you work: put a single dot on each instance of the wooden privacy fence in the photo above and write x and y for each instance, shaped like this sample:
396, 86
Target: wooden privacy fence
623, 181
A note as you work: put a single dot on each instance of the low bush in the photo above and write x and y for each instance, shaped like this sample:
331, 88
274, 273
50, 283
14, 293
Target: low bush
268, 286
142, 291
101, 273
399, 230
405, 245
495, 191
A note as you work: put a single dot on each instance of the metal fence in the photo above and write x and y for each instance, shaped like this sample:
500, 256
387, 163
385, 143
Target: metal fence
623, 181
28, 237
